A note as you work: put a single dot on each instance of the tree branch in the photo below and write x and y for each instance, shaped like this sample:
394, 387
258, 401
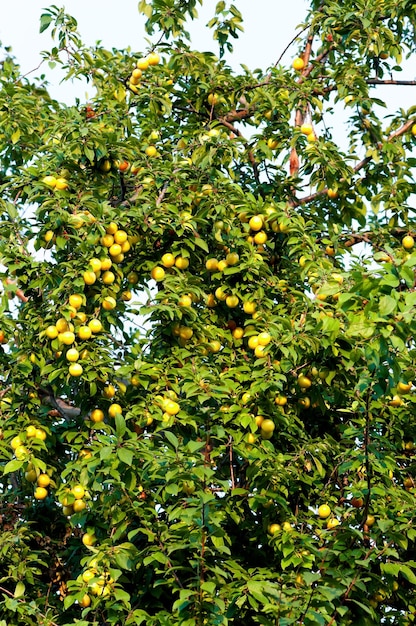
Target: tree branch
164, 189
379, 81
402, 130
397, 133
307, 70
9, 593
67, 411
237, 116
367, 457
18, 292
230, 447
253, 163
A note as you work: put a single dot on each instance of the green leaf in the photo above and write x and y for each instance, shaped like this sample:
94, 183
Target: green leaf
106, 452
122, 595
90, 154
209, 587
319, 467
172, 438
123, 560
239, 492
313, 617
391, 569
45, 21
145, 8
362, 606
387, 305
125, 455
194, 446
19, 590
12, 466
408, 574
69, 600
120, 426
360, 327
410, 299
330, 593
159, 557
201, 244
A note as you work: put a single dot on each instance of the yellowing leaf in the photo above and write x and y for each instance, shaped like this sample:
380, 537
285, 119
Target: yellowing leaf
120, 94
15, 136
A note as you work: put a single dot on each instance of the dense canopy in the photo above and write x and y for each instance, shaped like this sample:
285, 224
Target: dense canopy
206, 373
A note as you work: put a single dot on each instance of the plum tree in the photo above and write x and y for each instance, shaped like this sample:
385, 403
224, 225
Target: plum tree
208, 312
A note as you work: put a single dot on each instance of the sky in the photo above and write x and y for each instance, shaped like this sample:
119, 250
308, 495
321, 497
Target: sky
270, 26
268, 30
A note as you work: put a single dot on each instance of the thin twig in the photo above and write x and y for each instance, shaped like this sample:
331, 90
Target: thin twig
345, 596
397, 133
230, 446
162, 193
30, 71
289, 44
169, 564
250, 154
379, 81
307, 70
4, 391
9, 593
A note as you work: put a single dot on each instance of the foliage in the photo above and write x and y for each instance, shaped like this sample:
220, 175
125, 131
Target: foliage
241, 372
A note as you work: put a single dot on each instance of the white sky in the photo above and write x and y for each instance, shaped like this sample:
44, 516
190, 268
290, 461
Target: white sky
269, 25
268, 29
